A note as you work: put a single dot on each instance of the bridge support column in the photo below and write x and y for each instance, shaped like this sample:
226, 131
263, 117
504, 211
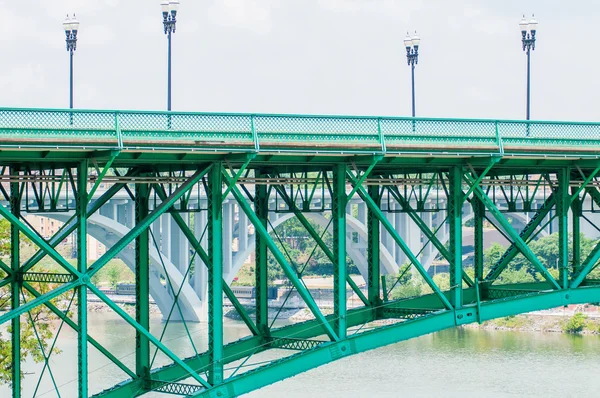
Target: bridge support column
261, 208
15, 263
200, 269
562, 213
338, 210
82, 348
242, 231
142, 282
455, 206
215, 275
373, 249
165, 236
179, 245
576, 207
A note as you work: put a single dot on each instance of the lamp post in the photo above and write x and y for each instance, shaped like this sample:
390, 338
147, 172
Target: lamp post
528, 30
71, 26
412, 57
169, 13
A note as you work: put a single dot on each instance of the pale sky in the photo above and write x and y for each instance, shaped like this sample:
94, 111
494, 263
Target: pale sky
306, 56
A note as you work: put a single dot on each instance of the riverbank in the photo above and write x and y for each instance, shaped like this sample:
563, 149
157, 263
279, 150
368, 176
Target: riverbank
549, 322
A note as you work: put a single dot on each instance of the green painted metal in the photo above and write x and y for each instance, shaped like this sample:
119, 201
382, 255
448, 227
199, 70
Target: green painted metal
516, 238
139, 228
261, 208
71, 226
340, 269
535, 221
82, 343
315, 236
142, 283
425, 229
562, 214
373, 250
478, 217
215, 275
455, 205
60, 314
15, 262
576, 210
399, 241
481, 156
148, 335
287, 268
135, 130
160, 191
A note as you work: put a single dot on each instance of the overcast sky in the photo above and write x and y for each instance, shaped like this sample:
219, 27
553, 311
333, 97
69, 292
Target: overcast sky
306, 56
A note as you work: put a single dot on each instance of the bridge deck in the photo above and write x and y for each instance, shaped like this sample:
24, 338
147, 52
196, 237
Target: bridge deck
55, 132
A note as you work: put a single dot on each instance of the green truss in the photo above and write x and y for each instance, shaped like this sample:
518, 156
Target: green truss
370, 159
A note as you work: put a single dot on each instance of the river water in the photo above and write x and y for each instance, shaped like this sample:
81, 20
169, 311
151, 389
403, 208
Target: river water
452, 363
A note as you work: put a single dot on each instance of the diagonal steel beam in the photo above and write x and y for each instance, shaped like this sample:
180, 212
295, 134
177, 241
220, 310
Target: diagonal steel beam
44, 298
187, 232
525, 234
70, 226
147, 221
517, 240
399, 241
587, 267
317, 238
190, 372
37, 240
287, 268
423, 227
237, 175
60, 314
365, 175
583, 186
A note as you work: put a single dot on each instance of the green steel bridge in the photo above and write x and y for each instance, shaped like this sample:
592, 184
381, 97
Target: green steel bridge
162, 158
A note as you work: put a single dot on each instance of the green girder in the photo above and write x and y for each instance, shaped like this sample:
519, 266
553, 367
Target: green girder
473, 154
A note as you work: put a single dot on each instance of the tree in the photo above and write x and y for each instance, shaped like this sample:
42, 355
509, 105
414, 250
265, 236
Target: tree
35, 324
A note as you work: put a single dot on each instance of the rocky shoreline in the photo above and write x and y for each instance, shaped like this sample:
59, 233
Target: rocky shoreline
540, 323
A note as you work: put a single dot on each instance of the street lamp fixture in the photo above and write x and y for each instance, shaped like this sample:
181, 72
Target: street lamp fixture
169, 13
528, 35
71, 26
412, 57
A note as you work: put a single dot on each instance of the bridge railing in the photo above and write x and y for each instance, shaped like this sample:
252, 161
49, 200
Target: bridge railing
139, 130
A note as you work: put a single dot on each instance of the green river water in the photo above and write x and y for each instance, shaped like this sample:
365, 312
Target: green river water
452, 363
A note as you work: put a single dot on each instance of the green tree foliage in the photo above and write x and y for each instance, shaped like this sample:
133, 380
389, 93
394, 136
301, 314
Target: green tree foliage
575, 324
34, 339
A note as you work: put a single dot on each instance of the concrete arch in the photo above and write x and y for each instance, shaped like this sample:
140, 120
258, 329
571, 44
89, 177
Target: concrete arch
444, 239
108, 232
387, 261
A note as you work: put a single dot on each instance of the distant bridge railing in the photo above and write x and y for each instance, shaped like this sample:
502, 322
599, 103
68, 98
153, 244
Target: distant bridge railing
230, 132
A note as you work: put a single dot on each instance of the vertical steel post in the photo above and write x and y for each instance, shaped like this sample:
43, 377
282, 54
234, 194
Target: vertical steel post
169, 73
82, 349
71, 81
455, 202
142, 281
413, 89
562, 213
576, 207
215, 275
338, 210
478, 213
261, 207
15, 262
528, 81
373, 249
